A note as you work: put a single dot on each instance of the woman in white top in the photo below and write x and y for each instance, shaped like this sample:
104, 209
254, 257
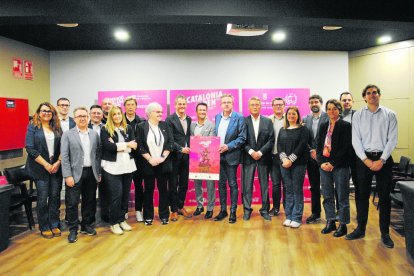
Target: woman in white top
118, 140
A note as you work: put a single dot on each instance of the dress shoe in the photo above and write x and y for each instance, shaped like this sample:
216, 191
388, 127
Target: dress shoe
125, 226
73, 236
222, 215
387, 241
148, 222
174, 216
139, 216
198, 211
295, 224
208, 215
266, 216
330, 226
247, 214
341, 231
56, 232
287, 222
164, 221
47, 234
356, 234
88, 230
274, 212
232, 218
183, 212
313, 219
116, 229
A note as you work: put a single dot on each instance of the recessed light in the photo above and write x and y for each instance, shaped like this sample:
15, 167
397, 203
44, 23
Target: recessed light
278, 37
68, 25
331, 28
384, 39
121, 35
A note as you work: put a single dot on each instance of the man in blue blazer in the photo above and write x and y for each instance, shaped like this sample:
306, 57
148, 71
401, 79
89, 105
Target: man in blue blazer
231, 129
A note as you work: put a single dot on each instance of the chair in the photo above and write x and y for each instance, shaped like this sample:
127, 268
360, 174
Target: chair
396, 195
17, 177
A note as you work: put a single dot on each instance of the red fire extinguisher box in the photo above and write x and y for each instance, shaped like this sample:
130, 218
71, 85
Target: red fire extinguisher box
14, 117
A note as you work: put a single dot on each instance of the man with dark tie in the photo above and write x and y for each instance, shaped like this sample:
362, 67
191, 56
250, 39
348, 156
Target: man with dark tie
179, 123
231, 129
257, 154
374, 137
312, 122
66, 122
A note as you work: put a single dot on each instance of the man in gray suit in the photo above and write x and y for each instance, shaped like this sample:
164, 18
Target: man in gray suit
203, 127
80, 153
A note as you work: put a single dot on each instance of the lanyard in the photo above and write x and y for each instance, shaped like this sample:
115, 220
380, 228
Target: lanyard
158, 144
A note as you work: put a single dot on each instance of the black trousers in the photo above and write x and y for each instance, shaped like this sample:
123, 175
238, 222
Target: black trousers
277, 183
178, 182
247, 185
315, 186
363, 192
149, 183
117, 187
103, 200
85, 188
139, 190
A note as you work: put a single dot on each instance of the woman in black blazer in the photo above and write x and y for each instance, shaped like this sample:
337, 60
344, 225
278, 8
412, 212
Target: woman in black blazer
155, 143
333, 148
43, 165
118, 140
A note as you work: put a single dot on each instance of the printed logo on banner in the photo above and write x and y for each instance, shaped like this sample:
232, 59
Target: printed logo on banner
291, 99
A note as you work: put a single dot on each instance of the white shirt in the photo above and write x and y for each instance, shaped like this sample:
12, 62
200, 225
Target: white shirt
50, 142
256, 123
64, 124
155, 140
86, 147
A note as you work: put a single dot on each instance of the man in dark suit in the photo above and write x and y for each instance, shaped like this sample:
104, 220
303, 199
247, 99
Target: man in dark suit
312, 122
231, 129
257, 154
107, 104
81, 168
66, 122
179, 123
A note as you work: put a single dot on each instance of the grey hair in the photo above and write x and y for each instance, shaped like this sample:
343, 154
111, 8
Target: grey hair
150, 107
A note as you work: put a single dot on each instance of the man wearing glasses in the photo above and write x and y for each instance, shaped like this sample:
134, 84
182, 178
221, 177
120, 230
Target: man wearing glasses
374, 137
66, 122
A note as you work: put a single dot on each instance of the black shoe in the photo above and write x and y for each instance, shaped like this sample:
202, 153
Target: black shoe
232, 218
164, 221
341, 231
313, 219
387, 241
148, 222
105, 219
222, 215
356, 234
73, 236
198, 211
87, 229
330, 226
274, 212
208, 215
247, 214
266, 216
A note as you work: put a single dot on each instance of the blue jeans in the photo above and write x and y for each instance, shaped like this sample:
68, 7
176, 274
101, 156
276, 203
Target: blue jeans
337, 179
48, 202
228, 174
293, 178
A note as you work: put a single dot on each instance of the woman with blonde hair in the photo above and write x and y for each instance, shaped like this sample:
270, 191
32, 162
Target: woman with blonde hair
118, 140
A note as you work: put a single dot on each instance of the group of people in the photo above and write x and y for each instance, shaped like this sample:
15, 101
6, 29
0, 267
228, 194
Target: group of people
110, 149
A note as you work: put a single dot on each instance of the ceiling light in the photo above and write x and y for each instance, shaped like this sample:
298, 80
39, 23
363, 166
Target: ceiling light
246, 29
278, 37
121, 35
68, 25
331, 28
384, 39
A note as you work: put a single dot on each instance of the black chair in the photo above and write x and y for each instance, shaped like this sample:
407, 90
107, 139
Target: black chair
17, 176
396, 195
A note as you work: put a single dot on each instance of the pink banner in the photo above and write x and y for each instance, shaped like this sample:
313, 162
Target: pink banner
205, 157
209, 96
143, 97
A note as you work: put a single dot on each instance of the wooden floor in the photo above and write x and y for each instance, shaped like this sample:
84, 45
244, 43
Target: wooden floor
198, 247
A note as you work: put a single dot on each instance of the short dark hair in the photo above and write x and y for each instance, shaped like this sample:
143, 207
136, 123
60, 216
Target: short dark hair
364, 92
95, 106
316, 96
278, 99
203, 104
336, 103
345, 93
62, 99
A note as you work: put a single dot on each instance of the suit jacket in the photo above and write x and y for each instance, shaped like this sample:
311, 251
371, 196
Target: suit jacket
341, 143
235, 138
265, 141
207, 129
35, 146
308, 123
181, 139
72, 154
134, 124
109, 149
142, 136
72, 123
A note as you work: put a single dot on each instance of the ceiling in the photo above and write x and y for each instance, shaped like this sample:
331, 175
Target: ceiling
196, 24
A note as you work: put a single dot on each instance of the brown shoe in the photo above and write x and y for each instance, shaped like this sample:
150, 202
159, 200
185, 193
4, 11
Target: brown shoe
46, 234
56, 232
174, 216
184, 213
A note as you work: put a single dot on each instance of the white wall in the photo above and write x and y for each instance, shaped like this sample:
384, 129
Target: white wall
79, 75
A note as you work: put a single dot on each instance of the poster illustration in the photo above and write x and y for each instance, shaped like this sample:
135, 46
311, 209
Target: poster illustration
204, 157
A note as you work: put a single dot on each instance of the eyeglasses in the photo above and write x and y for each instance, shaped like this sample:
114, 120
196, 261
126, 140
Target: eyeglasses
372, 93
46, 111
81, 117
278, 105
64, 105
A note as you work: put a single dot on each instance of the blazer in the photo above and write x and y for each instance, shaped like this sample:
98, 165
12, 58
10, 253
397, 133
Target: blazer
109, 149
134, 124
235, 138
72, 123
72, 154
35, 146
308, 123
207, 129
265, 141
180, 138
142, 136
341, 144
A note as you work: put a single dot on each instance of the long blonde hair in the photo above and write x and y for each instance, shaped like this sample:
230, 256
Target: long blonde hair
110, 126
